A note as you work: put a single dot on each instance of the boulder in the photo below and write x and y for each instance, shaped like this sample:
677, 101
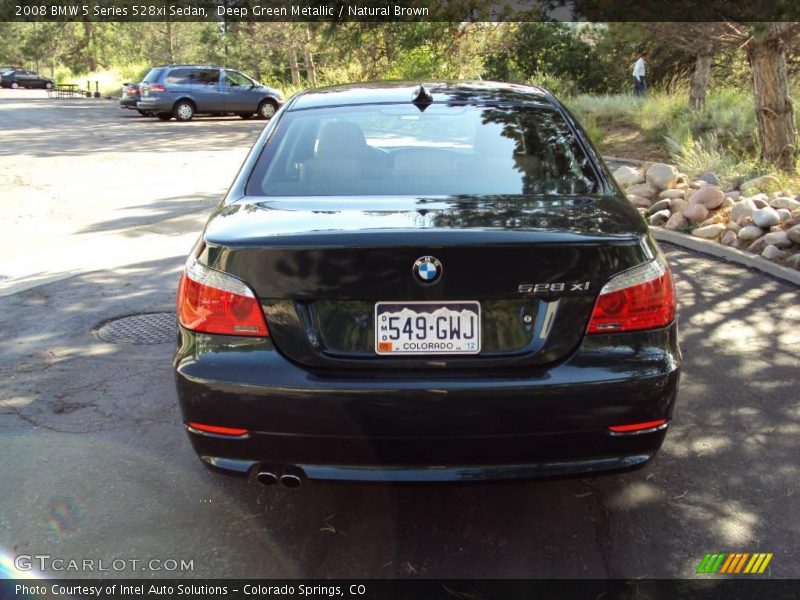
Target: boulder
695, 213
783, 202
793, 233
676, 221
766, 217
784, 214
662, 176
657, 206
645, 190
778, 238
763, 183
659, 218
709, 232
742, 208
709, 177
773, 253
627, 176
709, 196
749, 233
639, 201
673, 193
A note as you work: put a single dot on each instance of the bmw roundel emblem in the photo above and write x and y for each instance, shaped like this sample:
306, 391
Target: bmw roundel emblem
427, 269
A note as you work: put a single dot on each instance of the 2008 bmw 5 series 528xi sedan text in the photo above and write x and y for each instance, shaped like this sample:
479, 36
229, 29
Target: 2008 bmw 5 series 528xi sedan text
435, 282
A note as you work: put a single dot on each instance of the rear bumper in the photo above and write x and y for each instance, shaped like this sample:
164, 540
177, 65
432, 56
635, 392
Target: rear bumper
128, 103
424, 426
155, 104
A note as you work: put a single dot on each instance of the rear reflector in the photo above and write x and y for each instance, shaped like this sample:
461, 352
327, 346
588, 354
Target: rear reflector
645, 427
232, 431
210, 301
640, 298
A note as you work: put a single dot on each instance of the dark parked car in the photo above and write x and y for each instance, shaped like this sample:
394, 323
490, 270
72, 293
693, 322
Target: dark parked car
18, 78
425, 283
130, 96
182, 91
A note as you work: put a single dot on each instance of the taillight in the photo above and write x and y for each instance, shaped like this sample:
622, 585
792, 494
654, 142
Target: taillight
635, 428
640, 298
217, 430
213, 302
157, 88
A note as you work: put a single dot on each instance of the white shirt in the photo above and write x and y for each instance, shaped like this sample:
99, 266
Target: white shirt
638, 68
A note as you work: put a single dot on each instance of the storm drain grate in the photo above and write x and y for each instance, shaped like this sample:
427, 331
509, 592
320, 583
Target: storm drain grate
141, 329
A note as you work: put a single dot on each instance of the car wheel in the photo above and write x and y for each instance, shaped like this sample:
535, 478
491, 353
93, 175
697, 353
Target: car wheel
246, 116
164, 116
14, 85
266, 110
144, 113
183, 111
48, 85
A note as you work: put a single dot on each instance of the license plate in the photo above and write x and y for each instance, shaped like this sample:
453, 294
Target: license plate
403, 328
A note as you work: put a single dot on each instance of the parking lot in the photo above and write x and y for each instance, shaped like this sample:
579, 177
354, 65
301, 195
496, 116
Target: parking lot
98, 208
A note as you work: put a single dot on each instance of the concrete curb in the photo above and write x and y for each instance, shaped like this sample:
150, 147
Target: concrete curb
733, 255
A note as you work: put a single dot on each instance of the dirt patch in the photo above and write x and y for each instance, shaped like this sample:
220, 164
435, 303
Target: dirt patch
627, 141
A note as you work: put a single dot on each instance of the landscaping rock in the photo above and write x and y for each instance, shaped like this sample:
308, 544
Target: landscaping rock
758, 246
709, 232
729, 238
766, 217
773, 253
659, 218
709, 178
733, 195
778, 238
727, 203
751, 232
627, 176
673, 193
793, 234
784, 214
657, 206
695, 213
762, 183
742, 208
639, 201
676, 221
662, 176
709, 196
645, 190
783, 202
678, 204
733, 226
794, 261
697, 184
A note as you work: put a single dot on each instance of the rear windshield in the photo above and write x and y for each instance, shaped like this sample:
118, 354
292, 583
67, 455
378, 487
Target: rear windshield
152, 76
443, 150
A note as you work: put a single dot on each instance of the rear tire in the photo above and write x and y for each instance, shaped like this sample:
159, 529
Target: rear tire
48, 86
267, 109
164, 116
14, 85
183, 111
246, 116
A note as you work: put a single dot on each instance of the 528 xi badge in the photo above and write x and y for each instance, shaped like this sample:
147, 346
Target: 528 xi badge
576, 287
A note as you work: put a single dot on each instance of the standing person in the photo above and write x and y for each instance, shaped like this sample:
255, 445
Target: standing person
639, 83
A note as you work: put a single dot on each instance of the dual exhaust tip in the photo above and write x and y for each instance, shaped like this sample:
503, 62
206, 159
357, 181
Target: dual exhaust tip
291, 478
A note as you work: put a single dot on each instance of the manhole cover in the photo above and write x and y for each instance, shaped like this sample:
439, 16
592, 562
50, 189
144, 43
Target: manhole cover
147, 328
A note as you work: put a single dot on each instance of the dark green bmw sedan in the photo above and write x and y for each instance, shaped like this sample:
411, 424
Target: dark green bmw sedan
425, 282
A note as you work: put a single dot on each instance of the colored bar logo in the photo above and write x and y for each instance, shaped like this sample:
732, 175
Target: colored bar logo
731, 563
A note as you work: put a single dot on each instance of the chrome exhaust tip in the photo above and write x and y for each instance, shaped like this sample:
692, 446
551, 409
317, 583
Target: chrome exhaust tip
267, 478
290, 480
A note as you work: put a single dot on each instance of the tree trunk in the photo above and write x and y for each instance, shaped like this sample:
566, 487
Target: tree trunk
702, 69
88, 32
308, 59
776, 129
293, 65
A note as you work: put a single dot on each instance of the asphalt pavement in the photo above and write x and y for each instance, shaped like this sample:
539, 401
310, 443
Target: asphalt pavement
101, 206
